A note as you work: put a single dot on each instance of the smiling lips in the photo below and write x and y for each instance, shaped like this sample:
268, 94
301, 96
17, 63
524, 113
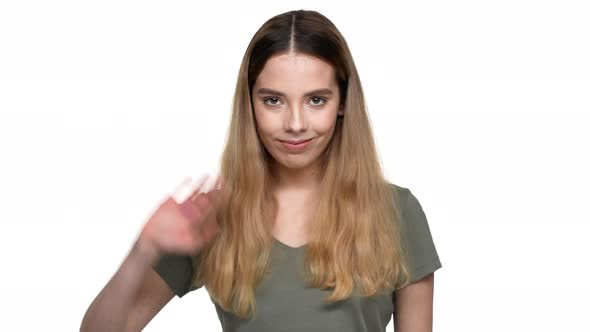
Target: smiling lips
297, 142
296, 145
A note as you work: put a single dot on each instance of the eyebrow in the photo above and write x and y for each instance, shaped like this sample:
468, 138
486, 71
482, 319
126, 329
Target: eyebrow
322, 92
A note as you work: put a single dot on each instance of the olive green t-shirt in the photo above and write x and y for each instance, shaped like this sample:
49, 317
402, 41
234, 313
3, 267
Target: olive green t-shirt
284, 303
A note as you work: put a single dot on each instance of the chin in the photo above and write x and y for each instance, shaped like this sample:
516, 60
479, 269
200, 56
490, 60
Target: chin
296, 163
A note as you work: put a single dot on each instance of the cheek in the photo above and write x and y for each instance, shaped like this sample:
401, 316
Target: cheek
267, 130
263, 123
266, 125
325, 125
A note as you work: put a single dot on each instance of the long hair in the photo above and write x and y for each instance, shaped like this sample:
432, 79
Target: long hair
354, 242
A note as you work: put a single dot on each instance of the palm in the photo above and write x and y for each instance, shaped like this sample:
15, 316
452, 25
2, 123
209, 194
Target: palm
186, 227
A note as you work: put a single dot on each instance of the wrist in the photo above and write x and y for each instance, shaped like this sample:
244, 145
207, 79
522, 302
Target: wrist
146, 251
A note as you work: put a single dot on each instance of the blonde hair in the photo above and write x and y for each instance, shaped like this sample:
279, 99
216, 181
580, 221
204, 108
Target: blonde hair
354, 239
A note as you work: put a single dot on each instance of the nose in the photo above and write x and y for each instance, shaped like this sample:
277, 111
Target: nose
295, 119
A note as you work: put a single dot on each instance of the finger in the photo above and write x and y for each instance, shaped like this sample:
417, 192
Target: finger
200, 207
216, 203
209, 203
202, 210
220, 192
180, 193
197, 186
216, 195
191, 210
186, 189
219, 183
209, 231
204, 186
208, 218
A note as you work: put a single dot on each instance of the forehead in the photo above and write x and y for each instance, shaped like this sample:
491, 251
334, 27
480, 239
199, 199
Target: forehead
294, 72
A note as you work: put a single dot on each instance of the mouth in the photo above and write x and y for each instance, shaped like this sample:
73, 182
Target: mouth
296, 145
296, 142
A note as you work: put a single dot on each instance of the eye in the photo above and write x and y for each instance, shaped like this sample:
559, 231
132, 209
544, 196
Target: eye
273, 99
318, 99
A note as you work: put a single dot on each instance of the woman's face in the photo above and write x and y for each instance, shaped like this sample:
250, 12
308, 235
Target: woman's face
296, 98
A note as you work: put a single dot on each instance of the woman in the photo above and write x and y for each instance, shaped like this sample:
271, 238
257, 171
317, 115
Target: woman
302, 233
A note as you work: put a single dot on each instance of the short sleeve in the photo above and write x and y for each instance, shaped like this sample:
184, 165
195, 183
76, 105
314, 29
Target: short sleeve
177, 272
421, 252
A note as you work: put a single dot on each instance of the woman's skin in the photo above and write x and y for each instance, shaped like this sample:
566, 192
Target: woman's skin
135, 294
413, 306
296, 116
285, 110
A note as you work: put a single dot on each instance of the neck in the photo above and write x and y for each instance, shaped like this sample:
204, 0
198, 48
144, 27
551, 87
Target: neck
303, 179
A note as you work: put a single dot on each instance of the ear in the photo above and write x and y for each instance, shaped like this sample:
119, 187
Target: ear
341, 110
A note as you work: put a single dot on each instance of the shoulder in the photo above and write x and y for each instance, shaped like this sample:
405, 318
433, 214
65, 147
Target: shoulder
415, 234
402, 195
410, 210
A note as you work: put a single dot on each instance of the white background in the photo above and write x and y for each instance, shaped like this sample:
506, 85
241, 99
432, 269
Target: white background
480, 108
